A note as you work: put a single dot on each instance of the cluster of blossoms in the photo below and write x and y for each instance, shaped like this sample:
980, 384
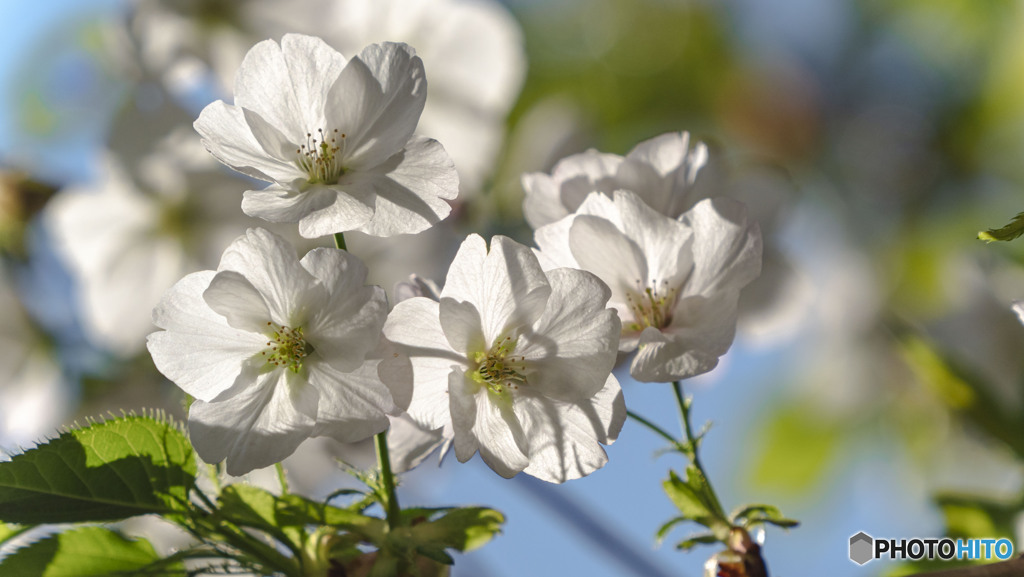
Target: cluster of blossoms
513, 357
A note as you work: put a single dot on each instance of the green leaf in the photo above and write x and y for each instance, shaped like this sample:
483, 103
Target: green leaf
462, 529
694, 499
977, 517
8, 532
87, 552
1007, 233
795, 449
284, 516
663, 531
750, 515
435, 553
697, 539
123, 467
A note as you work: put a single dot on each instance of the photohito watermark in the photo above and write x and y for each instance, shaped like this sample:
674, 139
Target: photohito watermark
864, 548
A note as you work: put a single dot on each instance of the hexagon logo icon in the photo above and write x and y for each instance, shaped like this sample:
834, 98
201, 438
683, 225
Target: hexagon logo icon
861, 548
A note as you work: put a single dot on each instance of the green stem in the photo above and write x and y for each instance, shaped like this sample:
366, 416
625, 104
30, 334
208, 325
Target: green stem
658, 430
282, 478
692, 442
391, 509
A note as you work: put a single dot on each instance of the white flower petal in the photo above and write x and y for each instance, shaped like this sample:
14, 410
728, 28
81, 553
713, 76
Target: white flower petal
271, 265
572, 347
491, 428
542, 204
353, 405
663, 240
509, 289
663, 171
410, 443
349, 324
601, 248
310, 60
198, 351
727, 246
377, 101
276, 144
553, 242
410, 189
462, 326
702, 330
351, 209
232, 296
413, 326
287, 83
259, 426
549, 198
277, 203
566, 439
227, 136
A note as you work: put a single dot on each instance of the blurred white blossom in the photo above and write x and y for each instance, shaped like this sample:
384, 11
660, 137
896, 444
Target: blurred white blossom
125, 240
33, 400
662, 171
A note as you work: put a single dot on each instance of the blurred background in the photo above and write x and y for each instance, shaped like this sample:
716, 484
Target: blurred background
876, 380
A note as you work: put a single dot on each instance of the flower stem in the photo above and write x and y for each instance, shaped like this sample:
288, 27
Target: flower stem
392, 511
692, 441
658, 430
282, 478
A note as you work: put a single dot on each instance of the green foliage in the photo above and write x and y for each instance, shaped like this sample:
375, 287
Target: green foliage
696, 501
1007, 233
113, 470
88, 552
698, 504
796, 450
752, 515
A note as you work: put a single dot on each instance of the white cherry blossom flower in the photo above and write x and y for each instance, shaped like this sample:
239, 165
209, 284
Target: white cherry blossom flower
142, 224
662, 171
675, 283
334, 137
516, 361
474, 49
274, 350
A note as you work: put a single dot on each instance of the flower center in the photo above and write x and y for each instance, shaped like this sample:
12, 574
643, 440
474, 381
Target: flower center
287, 347
652, 307
498, 369
319, 156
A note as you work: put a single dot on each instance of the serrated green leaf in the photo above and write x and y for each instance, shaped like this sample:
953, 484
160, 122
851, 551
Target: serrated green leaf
696, 501
462, 529
112, 470
697, 539
284, 516
8, 532
688, 500
87, 552
1006, 233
